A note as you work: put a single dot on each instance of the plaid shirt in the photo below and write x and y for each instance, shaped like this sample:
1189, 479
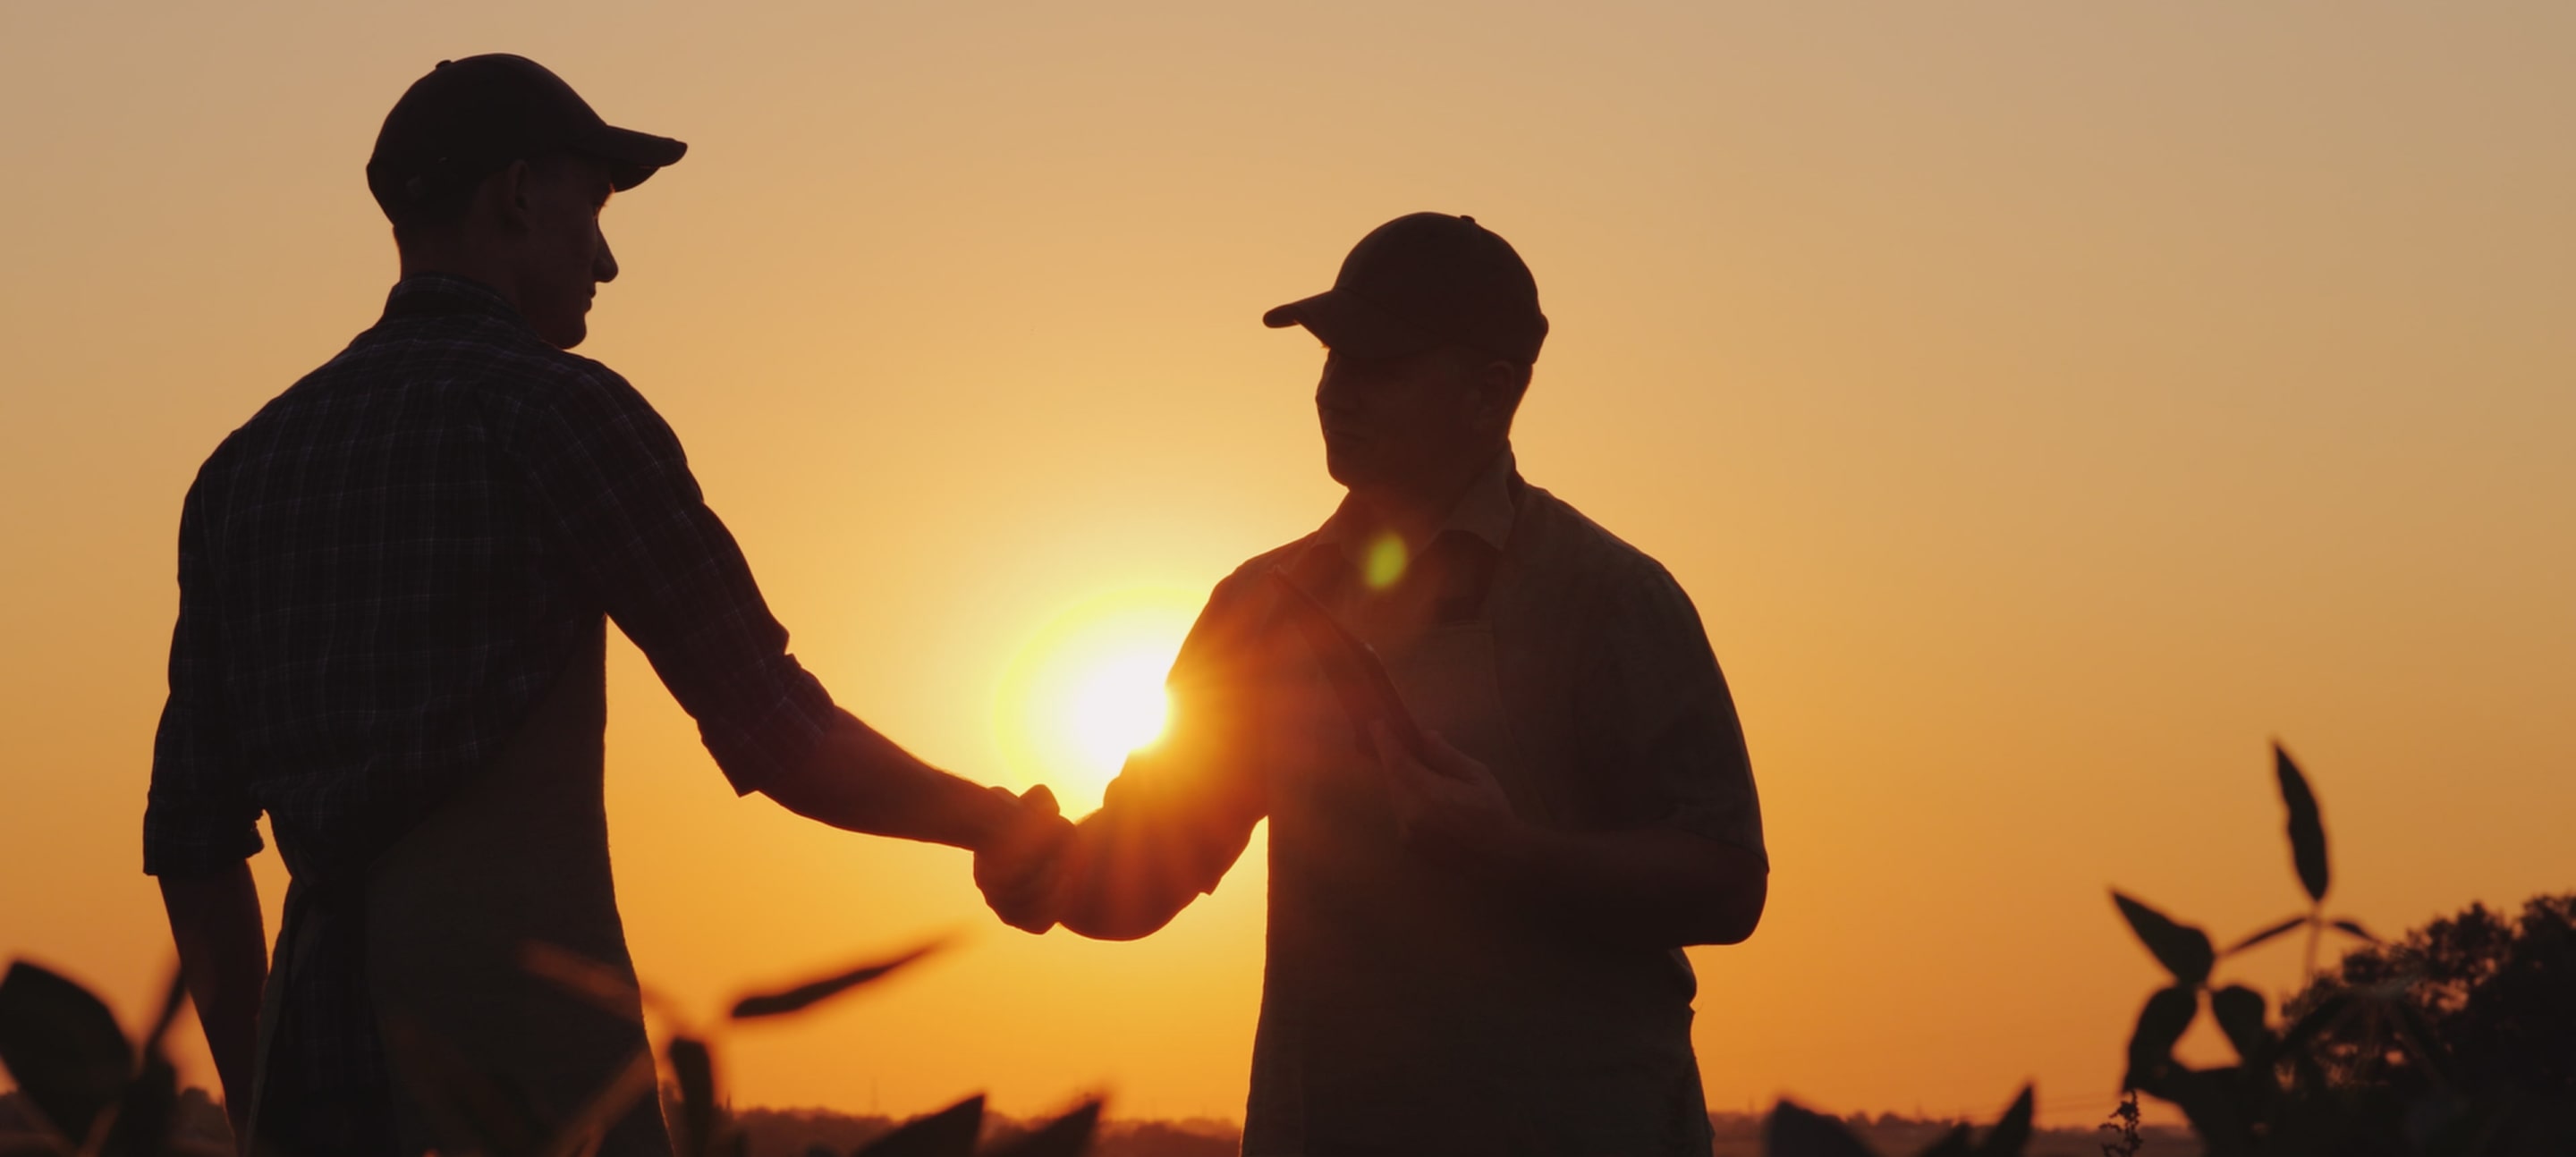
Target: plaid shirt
382, 571
380, 575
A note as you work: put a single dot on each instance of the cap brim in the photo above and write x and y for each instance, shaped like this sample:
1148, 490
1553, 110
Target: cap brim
632, 156
1351, 326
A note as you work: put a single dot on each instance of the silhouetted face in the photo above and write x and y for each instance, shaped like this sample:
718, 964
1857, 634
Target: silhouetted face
1409, 424
564, 256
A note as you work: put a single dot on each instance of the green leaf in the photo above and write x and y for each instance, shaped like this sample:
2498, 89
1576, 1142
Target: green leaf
2181, 948
2011, 1134
1794, 1131
1066, 1136
2279, 929
694, 1068
805, 995
2307, 828
950, 1132
2161, 1023
63, 1048
2240, 1014
2353, 928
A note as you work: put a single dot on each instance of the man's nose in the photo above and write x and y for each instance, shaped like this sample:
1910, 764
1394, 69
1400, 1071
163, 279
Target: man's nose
603, 267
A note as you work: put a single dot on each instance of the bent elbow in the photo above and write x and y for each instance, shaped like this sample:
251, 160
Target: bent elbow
1733, 918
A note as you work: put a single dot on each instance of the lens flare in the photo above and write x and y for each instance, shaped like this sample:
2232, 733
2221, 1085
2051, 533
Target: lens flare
1087, 689
1386, 559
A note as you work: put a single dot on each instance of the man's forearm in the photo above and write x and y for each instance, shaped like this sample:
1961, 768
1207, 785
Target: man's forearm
223, 952
860, 781
1119, 883
1659, 886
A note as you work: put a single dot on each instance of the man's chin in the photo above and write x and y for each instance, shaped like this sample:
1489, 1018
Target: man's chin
565, 335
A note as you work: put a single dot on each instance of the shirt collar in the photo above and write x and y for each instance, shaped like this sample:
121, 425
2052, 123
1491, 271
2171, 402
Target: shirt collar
1484, 512
432, 294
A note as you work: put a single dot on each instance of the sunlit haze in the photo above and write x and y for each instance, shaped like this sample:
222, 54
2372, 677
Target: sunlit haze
2045, 405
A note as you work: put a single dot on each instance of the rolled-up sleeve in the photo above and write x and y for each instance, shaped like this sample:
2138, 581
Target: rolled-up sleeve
614, 492
1184, 808
1660, 708
198, 817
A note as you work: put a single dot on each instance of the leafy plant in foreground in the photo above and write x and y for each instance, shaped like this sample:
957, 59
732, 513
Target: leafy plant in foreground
97, 1092
102, 1096
2281, 1096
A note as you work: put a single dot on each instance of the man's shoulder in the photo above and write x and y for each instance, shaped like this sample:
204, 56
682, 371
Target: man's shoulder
1269, 560
1561, 540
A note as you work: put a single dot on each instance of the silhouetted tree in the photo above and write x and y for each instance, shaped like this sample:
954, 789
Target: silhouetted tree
2495, 993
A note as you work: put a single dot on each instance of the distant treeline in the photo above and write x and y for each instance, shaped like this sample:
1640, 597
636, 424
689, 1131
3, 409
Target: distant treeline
798, 1132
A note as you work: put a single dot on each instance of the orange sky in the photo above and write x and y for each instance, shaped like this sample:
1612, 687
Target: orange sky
2045, 404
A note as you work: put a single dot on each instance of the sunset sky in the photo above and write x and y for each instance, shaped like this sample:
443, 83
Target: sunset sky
2047, 405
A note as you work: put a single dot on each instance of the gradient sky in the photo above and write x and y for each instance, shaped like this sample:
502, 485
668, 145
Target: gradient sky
2046, 405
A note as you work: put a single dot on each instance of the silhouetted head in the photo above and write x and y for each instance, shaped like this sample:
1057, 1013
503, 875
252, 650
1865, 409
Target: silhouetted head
1431, 329
493, 168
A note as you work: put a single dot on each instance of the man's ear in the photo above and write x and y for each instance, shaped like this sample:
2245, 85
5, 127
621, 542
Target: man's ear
511, 191
1498, 388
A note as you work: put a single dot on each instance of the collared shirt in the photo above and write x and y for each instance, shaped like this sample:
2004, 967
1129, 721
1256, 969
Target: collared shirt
1618, 715
383, 569
380, 576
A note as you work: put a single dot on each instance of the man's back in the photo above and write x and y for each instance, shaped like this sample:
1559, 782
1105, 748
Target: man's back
386, 567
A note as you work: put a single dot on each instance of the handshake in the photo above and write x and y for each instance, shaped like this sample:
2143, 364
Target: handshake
1022, 865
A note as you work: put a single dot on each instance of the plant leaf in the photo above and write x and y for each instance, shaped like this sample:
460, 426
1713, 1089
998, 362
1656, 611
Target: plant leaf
2239, 1011
172, 1000
1794, 1131
2181, 948
145, 1111
2011, 1133
950, 1132
1955, 1143
581, 1136
2354, 928
63, 1048
1066, 1136
605, 986
695, 1069
2276, 930
812, 992
2307, 828
484, 1112
2160, 1024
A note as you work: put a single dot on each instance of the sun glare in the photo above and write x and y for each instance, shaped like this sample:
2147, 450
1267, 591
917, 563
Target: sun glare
1087, 689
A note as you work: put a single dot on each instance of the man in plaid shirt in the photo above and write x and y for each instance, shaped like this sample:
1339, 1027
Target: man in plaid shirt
392, 586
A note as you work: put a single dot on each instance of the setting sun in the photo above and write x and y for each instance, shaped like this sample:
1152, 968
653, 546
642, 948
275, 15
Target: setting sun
1087, 688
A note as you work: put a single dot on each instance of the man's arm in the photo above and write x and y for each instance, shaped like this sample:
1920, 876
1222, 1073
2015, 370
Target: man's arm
200, 828
1654, 885
628, 516
223, 952
1176, 818
1679, 858
861, 781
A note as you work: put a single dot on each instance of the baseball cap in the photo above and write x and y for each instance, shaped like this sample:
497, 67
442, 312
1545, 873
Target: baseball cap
1425, 280
471, 117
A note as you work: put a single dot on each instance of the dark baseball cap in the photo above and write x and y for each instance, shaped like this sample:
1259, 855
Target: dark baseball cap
1425, 280
471, 117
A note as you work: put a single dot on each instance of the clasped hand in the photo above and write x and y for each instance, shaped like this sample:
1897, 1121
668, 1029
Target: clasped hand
1017, 867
